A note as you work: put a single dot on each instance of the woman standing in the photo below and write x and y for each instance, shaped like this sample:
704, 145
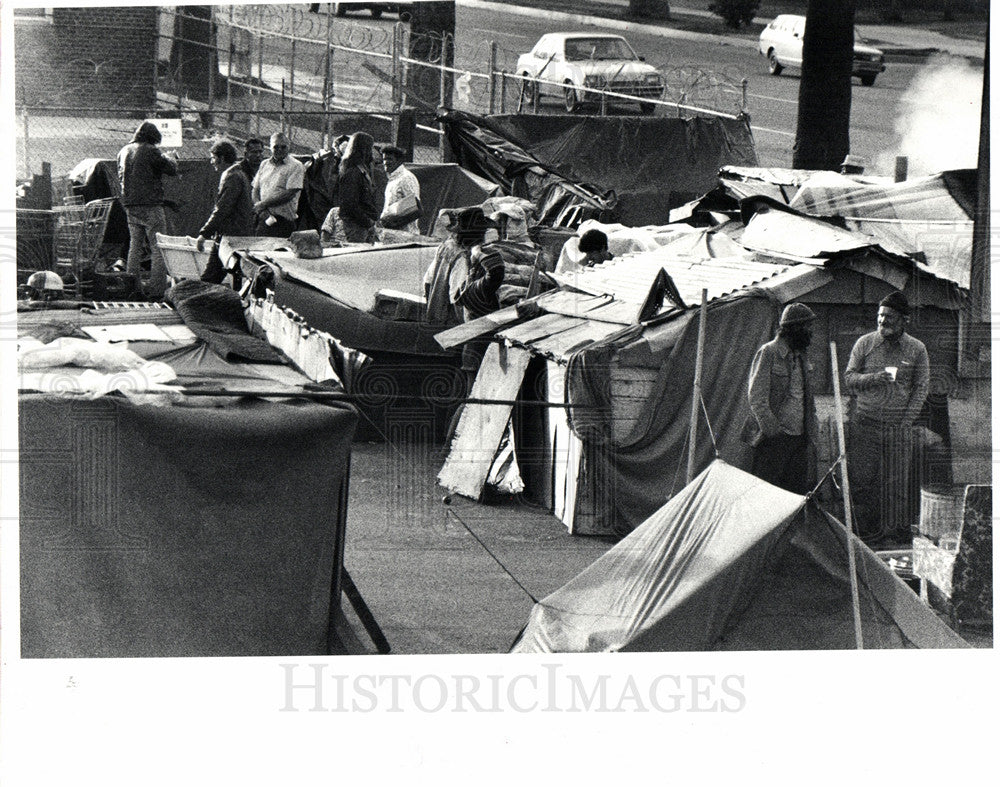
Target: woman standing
358, 209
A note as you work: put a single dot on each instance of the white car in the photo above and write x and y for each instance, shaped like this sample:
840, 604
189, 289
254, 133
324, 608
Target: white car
781, 44
589, 60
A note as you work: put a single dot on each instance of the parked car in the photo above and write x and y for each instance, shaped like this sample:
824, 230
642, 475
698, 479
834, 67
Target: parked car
589, 60
781, 44
376, 9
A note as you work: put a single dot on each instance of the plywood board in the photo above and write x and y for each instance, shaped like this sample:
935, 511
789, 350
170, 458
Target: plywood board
567, 449
481, 426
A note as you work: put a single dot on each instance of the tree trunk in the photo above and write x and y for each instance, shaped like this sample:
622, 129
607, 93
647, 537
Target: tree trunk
822, 139
648, 9
432, 40
193, 58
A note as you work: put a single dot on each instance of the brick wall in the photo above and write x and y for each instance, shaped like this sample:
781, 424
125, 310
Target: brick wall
87, 57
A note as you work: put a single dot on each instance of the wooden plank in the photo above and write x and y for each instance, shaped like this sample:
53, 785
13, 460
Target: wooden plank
539, 328
452, 337
566, 448
480, 427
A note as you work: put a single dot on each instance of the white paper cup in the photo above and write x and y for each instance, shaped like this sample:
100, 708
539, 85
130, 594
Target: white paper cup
892, 371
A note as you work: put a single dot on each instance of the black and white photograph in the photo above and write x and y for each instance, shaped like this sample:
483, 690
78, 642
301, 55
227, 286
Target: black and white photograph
403, 388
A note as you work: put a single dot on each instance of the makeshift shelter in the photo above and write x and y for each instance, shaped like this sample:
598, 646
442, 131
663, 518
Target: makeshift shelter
626, 373
189, 196
652, 164
200, 516
480, 146
733, 563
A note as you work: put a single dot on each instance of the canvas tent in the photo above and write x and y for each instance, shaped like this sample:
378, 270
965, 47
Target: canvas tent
732, 563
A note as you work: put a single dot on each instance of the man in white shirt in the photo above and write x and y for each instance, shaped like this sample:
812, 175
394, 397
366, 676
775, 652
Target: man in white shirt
276, 189
402, 184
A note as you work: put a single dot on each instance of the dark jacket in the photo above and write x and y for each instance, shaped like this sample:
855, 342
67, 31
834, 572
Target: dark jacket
233, 211
140, 169
357, 198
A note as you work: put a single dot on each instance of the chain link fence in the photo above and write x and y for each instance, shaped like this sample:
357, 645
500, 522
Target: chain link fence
250, 70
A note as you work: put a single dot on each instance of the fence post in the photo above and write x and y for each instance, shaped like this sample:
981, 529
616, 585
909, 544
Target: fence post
27, 150
442, 91
397, 70
291, 71
492, 71
503, 92
327, 77
743, 105
229, 69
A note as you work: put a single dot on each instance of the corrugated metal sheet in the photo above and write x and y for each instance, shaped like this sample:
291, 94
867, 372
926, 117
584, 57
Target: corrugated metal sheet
779, 232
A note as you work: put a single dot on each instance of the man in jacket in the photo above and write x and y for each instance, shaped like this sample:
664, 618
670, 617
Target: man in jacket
253, 154
141, 166
276, 189
233, 211
782, 423
888, 376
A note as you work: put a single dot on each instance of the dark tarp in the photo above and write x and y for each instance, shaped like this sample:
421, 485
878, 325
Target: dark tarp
481, 146
732, 563
179, 531
652, 164
649, 464
189, 196
211, 527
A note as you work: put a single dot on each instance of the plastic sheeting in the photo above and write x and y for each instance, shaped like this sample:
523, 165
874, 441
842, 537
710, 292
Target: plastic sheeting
652, 164
731, 563
648, 465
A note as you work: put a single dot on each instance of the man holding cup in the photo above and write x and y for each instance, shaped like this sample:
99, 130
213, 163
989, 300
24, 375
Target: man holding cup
888, 376
275, 190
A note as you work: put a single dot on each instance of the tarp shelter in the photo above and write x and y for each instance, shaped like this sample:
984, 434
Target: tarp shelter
652, 164
732, 563
481, 146
625, 449
209, 526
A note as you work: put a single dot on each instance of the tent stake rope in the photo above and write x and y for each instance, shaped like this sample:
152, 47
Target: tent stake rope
488, 552
846, 489
708, 423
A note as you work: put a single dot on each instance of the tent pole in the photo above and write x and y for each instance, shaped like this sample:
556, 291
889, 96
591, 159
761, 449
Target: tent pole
696, 398
846, 489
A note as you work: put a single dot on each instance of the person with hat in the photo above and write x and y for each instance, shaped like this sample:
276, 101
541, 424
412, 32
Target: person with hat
45, 286
782, 424
888, 378
402, 188
461, 285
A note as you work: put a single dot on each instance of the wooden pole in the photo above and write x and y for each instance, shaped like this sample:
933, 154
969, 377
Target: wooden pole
846, 488
696, 397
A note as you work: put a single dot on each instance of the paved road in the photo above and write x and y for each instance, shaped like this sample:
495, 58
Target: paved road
772, 101
705, 70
